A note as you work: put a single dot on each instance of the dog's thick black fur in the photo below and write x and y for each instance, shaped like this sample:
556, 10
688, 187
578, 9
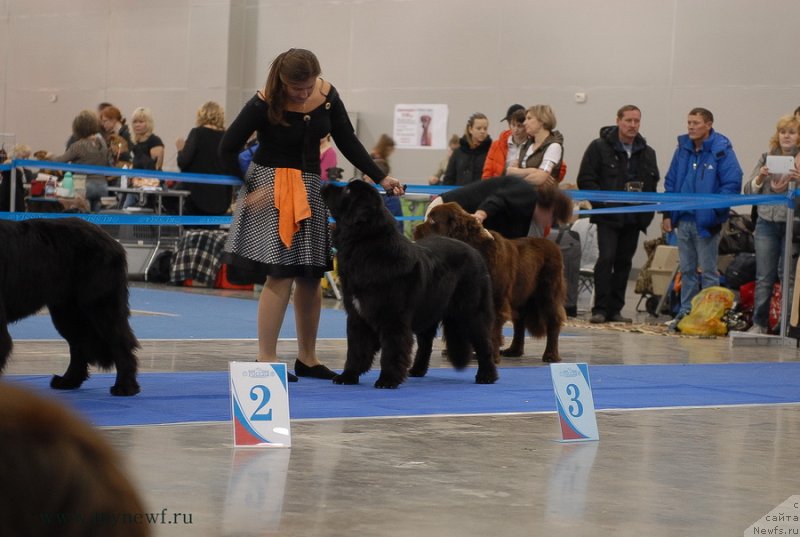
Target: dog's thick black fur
80, 273
394, 289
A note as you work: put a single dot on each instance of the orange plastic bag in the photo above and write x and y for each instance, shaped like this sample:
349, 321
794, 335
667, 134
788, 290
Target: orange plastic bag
708, 307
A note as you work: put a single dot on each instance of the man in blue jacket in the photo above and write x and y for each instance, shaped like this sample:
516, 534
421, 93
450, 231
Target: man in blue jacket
703, 163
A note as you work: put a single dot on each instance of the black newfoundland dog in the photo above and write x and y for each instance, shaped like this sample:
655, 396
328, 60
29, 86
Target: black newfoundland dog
80, 273
394, 289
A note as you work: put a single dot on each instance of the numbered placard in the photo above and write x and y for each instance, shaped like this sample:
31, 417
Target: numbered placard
574, 402
260, 405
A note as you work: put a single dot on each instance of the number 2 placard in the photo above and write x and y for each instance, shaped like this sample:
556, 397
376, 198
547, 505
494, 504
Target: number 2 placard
574, 402
260, 405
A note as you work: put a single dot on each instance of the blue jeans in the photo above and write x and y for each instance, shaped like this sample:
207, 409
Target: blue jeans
695, 252
769, 242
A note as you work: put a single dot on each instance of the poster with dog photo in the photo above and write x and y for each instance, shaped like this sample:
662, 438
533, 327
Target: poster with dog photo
420, 126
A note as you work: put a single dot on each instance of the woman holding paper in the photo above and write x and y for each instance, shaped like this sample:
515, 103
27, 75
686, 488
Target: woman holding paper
771, 224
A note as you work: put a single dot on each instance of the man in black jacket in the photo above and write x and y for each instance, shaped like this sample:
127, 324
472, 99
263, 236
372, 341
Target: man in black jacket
619, 159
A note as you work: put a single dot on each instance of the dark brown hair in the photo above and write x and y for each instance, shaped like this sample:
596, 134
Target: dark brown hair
85, 124
707, 116
62, 477
294, 66
550, 196
383, 146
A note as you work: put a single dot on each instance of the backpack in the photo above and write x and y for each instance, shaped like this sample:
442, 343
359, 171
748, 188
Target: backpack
736, 235
742, 270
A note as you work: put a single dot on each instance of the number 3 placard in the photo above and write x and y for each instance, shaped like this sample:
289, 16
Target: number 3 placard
574, 402
260, 405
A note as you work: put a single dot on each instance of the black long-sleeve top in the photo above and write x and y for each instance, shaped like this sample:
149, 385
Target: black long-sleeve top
295, 145
507, 200
199, 155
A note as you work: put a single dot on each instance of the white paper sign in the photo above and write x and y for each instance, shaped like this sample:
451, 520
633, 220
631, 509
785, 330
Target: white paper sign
779, 164
260, 405
574, 402
420, 126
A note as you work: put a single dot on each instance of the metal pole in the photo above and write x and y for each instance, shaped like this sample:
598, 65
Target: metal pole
787, 260
13, 200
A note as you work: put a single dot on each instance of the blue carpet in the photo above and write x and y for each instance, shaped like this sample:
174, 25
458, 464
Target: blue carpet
183, 315
197, 397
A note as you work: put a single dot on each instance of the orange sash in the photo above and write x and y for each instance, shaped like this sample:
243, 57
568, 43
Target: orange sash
291, 200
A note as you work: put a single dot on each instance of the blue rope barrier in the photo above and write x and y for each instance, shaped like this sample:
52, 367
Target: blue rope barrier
5, 167
125, 219
131, 172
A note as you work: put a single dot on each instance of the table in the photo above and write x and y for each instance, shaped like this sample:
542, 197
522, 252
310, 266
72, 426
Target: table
160, 195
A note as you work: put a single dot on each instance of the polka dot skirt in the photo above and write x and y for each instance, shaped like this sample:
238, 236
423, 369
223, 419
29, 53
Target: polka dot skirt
254, 231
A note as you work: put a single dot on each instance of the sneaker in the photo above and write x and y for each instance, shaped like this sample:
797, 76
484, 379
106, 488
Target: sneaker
618, 318
672, 326
756, 329
598, 318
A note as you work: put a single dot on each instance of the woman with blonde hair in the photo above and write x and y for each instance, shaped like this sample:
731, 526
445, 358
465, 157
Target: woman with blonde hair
771, 224
198, 153
540, 158
148, 149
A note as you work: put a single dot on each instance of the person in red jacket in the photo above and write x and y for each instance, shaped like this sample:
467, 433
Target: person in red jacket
505, 149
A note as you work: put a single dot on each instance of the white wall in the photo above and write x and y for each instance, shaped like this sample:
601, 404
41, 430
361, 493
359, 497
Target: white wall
738, 58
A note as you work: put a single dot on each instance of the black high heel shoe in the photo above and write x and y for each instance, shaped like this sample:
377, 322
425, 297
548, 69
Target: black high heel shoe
316, 372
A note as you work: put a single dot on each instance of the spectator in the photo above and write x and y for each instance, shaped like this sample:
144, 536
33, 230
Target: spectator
436, 178
540, 157
383, 149
112, 122
88, 149
505, 150
619, 159
72, 138
60, 476
23, 176
148, 149
198, 154
327, 157
771, 222
466, 163
285, 239
703, 163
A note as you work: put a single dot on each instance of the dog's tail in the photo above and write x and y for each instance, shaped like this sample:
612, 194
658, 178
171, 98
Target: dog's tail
546, 306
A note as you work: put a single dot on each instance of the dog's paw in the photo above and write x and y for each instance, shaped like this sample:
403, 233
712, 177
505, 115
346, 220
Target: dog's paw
65, 383
345, 378
486, 376
386, 383
511, 352
417, 371
551, 357
125, 390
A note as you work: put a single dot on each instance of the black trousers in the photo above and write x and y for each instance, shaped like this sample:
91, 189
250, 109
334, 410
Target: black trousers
616, 247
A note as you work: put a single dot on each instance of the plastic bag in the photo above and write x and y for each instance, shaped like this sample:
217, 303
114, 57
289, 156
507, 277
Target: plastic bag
708, 308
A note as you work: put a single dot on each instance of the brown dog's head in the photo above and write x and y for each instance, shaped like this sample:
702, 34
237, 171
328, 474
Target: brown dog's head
450, 220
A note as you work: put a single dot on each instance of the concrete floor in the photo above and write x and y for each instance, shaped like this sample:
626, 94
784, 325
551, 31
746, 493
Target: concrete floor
671, 472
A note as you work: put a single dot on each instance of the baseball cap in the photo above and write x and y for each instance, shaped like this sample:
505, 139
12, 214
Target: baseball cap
511, 109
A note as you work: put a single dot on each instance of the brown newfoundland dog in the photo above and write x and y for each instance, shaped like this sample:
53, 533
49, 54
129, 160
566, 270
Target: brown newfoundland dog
527, 278
394, 289
79, 272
